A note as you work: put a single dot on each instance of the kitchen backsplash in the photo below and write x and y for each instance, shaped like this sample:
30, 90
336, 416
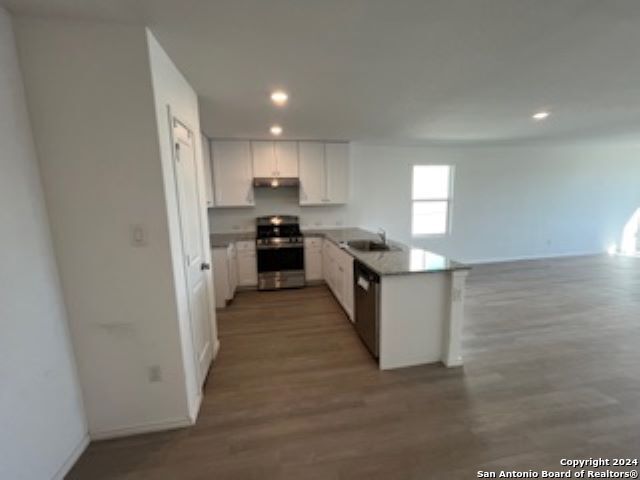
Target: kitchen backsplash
281, 201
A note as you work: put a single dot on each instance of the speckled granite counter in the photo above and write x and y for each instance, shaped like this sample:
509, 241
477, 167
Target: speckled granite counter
221, 240
404, 260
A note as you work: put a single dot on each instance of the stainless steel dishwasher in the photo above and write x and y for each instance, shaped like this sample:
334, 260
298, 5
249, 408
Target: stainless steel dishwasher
366, 286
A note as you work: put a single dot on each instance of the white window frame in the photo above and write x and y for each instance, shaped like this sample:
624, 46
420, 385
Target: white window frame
449, 216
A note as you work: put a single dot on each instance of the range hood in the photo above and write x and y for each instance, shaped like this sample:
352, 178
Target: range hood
276, 182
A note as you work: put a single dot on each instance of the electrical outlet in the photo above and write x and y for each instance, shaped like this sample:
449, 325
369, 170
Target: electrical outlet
155, 373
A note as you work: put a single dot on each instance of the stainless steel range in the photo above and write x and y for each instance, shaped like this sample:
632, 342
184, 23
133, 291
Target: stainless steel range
280, 252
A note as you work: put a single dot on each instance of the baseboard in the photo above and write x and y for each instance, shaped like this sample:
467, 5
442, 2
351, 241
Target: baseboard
143, 428
72, 458
246, 288
407, 362
532, 257
216, 348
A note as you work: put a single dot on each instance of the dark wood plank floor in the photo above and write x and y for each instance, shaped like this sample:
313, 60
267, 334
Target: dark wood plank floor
552, 370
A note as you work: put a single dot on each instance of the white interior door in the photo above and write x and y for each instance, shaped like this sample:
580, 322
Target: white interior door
196, 266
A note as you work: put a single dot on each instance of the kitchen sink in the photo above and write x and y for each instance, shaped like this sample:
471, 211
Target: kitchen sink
371, 246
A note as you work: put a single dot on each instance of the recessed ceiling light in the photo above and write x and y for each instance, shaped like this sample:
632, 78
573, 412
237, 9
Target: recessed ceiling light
276, 130
540, 115
279, 97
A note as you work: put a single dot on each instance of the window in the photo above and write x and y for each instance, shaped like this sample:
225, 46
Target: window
431, 195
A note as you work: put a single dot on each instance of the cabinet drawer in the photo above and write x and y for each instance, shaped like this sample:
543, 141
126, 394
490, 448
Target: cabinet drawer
313, 243
246, 245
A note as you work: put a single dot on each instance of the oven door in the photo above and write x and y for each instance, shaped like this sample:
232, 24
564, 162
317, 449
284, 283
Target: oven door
280, 266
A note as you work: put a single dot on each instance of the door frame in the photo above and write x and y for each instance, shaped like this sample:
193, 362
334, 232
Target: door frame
214, 344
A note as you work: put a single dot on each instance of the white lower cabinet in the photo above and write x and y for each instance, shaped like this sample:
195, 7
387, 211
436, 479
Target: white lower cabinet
225, 274
221, 282
247, 264
233, 268
327, 270
313, 259
337, 267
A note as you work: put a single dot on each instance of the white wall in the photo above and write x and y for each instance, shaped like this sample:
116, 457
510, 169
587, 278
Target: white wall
42, 425
509, 201
92, 106
172, 91
282, 201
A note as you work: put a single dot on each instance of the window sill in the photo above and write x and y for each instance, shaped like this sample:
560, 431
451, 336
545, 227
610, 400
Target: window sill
429, 235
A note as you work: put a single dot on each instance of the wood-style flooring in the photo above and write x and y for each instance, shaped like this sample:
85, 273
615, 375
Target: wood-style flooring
552, 370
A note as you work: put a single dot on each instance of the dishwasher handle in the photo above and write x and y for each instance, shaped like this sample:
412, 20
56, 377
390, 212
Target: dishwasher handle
363, 283
363, 273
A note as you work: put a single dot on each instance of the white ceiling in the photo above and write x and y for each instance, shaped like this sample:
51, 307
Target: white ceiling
396, 70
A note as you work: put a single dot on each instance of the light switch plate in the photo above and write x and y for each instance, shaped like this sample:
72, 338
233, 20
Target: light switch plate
155, 373
138, 235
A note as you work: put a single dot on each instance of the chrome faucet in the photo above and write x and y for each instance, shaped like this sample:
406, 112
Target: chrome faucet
383, 235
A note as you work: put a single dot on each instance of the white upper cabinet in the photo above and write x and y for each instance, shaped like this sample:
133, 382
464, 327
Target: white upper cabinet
286, 159
232, 173
312, 173
323, 170
275, 159
264, 159
324, 173
208, 177
337, 164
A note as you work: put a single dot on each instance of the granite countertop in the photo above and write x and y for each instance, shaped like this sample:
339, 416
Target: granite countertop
222, 240
404, 260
